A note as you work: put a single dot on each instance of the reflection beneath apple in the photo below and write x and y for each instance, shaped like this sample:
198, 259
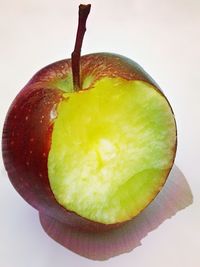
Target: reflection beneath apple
175, 196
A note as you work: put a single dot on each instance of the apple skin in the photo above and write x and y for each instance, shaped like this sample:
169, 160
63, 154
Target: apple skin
28, 127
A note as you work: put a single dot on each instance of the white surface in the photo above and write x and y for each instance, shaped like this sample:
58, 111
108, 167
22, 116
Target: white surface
161, 35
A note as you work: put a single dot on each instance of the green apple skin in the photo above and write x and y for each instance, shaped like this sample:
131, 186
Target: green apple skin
29, 124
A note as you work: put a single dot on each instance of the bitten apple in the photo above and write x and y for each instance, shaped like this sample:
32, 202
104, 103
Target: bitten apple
89, 141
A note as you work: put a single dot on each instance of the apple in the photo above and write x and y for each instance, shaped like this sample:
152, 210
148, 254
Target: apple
90, 140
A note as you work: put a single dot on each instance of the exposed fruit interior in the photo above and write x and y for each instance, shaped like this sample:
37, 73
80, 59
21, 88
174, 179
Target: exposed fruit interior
112, 147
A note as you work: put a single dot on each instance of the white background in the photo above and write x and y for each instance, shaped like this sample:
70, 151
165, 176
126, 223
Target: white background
161, 35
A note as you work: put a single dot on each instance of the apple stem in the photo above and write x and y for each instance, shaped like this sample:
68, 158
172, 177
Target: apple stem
84, 11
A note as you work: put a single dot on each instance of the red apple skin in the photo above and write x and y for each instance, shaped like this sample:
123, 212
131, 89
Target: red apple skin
28, 128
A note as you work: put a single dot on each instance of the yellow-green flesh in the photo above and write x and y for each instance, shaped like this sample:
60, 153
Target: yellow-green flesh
112, 147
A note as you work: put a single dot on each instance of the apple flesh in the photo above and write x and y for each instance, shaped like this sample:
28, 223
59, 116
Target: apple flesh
92, 159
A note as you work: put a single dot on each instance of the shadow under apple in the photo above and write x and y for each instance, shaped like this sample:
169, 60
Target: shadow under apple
175, 196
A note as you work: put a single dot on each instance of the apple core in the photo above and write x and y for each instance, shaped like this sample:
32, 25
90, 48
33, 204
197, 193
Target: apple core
112, 148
